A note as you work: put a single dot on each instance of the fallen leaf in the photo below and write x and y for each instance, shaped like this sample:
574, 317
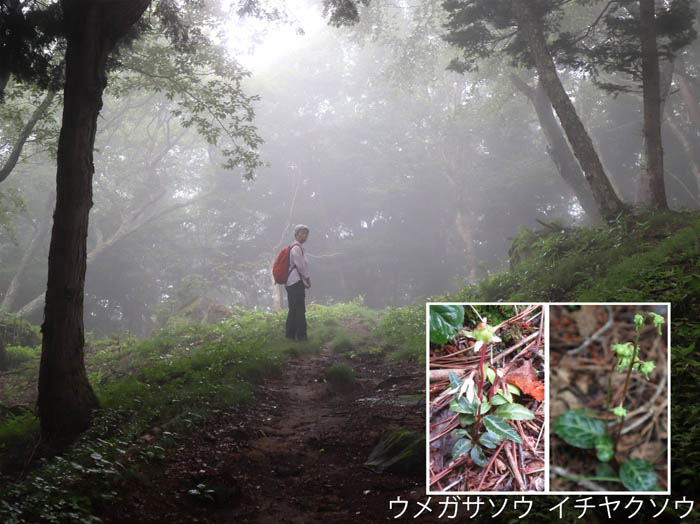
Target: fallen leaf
525, 378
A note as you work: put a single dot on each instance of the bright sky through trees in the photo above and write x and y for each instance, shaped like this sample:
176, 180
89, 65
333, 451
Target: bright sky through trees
258, 43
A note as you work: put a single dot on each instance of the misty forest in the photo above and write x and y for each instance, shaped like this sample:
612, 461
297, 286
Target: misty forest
156, 156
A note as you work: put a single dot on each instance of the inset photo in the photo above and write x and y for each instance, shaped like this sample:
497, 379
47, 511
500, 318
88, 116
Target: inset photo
486, 409
609, 390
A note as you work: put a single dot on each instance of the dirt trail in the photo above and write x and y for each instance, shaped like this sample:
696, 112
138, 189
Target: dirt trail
295, 456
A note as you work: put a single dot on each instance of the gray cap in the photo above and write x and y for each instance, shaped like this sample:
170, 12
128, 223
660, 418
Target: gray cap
299, 228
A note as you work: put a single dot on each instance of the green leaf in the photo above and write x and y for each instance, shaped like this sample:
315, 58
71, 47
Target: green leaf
463, 406
498, 400
638, 475
605, 470
466, 420
461, 447
514, 389
489, 440
485, 406
514, 412
604, 448
578, 428
455, 382
461, 433
490, 374
506, 394
501, 428
445, 323
478, 456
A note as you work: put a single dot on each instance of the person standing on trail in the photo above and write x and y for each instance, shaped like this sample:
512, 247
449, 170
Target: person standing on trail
297, 284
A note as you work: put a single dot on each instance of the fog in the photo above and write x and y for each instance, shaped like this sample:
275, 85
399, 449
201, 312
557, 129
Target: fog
413, 179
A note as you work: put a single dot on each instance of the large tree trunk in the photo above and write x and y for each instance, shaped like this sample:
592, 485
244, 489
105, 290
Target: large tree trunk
66, 400
606, 200
651, 88
559, 150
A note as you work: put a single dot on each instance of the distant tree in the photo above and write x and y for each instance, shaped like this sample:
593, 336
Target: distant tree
559, 150
632, 37
519, 29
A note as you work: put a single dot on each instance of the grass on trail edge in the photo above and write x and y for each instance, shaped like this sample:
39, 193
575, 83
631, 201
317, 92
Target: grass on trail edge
153, 391
646, 257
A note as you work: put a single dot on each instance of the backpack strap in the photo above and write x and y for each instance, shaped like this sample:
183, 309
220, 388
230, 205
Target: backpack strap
290, 257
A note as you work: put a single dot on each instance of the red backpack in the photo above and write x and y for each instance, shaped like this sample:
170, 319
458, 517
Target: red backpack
281, 269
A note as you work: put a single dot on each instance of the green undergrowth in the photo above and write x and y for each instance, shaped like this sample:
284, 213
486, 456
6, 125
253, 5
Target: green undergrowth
640, 258
153, 391
636, 258
340, 376
401, 333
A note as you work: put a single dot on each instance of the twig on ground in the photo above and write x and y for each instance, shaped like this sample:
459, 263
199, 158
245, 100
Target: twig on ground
608, 324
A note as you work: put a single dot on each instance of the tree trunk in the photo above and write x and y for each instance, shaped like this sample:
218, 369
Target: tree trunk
66, 400
606, 200
559, 150
651, 90
691, 157
691, 101
37, 242
17, 147
3, 356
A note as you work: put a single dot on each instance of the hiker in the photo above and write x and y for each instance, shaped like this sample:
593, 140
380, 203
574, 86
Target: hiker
297, 283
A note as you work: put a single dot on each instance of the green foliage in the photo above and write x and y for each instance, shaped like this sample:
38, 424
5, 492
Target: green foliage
500, 428
17, 355
644, 257
604, 448
162, 386
342, 344
16, 331
401, 451
514, 412
445, 322
340, 376
579, 428
638, 475
16, 428
471, 440
402, 332
462, 447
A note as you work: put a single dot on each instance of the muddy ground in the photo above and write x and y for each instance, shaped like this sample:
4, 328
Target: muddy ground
294, 456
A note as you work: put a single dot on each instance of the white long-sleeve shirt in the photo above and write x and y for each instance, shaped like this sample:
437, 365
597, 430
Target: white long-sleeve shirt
297, 261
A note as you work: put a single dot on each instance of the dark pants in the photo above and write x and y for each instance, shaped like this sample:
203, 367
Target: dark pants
296, 318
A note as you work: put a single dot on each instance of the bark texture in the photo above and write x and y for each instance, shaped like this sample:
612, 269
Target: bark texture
605, 197
651, 88
66, 399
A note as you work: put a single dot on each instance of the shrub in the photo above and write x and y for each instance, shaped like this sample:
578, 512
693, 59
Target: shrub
340, 376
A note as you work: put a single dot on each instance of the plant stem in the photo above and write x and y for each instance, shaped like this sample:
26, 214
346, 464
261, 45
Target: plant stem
624, 392
608, 397
602, 479
481, 387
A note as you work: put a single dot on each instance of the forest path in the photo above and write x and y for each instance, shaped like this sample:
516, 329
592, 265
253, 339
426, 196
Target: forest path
295, 455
